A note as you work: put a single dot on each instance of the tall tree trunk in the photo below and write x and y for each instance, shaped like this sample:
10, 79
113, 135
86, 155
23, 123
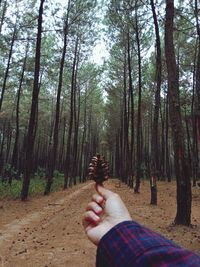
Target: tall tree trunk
125, 127
154, 139
53, 152
195, 158
184, 197
76, 122
71, 121
132, 159
8, 64
30, 139
76, 135
167, 158
81, 165
139, 124
197, 96
15, 155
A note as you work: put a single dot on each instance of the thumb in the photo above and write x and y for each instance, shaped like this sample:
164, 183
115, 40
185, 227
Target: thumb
105, 193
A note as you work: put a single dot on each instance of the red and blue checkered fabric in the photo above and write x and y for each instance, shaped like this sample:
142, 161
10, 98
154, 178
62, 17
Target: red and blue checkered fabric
129, 244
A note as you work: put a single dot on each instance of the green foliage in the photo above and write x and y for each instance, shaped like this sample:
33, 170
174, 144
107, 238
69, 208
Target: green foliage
13, 191
40, 173
57, 174
9, 172
58, 180
7, 167
37, 185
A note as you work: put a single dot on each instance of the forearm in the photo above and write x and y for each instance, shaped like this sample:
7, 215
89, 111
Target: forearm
130, 244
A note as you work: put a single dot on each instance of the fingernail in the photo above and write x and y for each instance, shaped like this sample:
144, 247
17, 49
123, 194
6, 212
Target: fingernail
98, 210
100, 199
96, 218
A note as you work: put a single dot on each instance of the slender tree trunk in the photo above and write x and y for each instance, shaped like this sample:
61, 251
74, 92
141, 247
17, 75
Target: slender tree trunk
30, 140
184, 197
8, 64
139, 125
125, 127
195, 158
53, 152
81, 167
154, 140
197, 96
76, 122
167, 158
132, 159
71, 122
75, 145
15, 155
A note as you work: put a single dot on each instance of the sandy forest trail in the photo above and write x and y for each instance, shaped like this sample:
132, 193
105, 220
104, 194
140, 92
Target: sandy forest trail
47, 231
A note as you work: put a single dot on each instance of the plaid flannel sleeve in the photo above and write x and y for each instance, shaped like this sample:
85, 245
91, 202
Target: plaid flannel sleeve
130, 244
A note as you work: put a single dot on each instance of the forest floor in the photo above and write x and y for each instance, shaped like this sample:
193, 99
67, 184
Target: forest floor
47, 231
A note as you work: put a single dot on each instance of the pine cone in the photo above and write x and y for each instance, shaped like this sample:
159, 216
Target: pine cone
99, 169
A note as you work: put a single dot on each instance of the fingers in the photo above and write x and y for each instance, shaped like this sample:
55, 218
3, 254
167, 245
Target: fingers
90, 217
105, 193
93, 206
98, 199
93, 211
88, 220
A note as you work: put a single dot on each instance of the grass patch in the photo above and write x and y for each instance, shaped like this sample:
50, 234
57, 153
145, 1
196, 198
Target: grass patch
37, 186
13, 191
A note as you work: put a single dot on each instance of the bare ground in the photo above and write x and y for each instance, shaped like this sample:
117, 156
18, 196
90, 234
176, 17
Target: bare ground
47, 231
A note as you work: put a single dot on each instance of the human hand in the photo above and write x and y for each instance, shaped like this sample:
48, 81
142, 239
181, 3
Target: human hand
104, 212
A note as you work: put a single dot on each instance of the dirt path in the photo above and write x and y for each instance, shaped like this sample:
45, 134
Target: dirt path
51, 236
47, 231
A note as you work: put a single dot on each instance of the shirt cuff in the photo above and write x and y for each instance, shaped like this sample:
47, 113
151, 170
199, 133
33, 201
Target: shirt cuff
125, 242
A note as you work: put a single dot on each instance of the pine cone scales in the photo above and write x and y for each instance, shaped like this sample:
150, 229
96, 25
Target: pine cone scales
99, 169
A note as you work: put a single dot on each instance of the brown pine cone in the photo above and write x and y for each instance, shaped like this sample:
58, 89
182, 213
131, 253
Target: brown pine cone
98, 169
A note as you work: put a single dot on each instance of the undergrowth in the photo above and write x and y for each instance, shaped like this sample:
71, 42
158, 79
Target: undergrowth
37, 186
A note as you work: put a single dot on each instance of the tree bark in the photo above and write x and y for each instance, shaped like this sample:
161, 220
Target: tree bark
154, 140
30, 140
196, 118
184, 197
76, 121
8, 65
132, 159
81, 162
15, 153
71, 121
139, 124
53, 152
